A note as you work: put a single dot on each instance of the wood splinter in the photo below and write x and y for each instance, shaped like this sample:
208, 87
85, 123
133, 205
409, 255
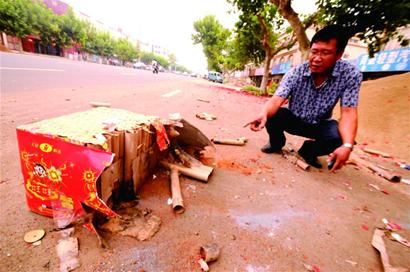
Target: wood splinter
379, 171
177, 201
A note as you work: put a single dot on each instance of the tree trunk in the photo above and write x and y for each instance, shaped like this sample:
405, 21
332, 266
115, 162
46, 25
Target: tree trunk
285, 9
266, 70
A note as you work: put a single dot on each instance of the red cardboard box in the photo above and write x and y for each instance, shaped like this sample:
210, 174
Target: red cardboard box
82, 158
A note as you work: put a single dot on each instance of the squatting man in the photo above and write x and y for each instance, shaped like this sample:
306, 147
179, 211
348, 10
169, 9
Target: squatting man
312, 90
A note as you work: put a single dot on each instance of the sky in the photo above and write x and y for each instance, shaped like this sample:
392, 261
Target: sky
168, 23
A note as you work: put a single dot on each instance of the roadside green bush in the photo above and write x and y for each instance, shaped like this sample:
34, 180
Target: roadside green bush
272, 88
259, 92
252, 89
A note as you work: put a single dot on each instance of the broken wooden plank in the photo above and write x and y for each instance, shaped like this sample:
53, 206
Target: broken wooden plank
376, 152
379, 171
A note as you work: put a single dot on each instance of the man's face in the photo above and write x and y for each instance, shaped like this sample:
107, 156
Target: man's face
323, 56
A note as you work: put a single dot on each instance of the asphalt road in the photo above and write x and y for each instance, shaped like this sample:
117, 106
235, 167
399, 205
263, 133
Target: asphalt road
265, 213
36, 72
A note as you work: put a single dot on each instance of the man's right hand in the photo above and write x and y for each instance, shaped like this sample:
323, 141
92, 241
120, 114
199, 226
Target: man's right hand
258, 123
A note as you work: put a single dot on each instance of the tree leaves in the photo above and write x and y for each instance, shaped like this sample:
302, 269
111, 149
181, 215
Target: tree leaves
214, 39
374, 21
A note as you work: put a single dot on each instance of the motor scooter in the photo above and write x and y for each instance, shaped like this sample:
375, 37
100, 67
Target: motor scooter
155, 69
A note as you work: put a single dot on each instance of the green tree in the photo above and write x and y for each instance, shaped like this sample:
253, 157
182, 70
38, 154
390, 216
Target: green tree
16, 17
214, 39
286, 10
374, 21
72, 30
103, 44
23, 17
124, 50
258, 31
172, 60
148, 57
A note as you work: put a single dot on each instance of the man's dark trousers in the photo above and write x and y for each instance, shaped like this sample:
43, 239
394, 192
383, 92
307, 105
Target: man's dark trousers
325, 135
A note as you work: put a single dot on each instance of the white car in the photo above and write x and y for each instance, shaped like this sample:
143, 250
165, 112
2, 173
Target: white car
139, 65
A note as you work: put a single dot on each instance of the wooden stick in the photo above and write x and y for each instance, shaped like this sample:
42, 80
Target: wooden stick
381, 172
198, 172
96, 104
238, 141
376, 152
177, 201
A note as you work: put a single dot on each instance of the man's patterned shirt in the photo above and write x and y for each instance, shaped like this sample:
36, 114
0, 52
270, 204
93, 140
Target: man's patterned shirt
312, 104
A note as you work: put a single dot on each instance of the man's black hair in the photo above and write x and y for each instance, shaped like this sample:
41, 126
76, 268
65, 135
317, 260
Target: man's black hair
332, 32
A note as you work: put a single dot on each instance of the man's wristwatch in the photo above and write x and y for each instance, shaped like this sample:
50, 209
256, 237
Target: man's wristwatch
348, 145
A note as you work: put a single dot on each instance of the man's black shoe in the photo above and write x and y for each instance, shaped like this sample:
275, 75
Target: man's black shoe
268, 149
311, 160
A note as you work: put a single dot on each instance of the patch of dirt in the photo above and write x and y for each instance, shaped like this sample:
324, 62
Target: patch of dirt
4, 49
384, 111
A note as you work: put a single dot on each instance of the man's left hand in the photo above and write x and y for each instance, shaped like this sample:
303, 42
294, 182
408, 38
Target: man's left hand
340, 155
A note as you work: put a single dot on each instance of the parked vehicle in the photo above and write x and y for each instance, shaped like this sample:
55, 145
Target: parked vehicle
140, 65
215, 77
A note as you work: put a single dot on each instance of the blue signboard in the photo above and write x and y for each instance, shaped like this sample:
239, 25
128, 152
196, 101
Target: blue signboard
281, 68
385, 61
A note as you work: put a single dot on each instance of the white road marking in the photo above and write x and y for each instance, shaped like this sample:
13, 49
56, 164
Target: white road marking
171, 93
31, 69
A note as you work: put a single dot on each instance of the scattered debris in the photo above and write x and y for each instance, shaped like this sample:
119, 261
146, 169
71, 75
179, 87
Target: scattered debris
405, 181
374, 186
204, 266
34, 236
376, 152
132, 222
348, 185
311, 268
233, 165
404, 165
176, 116
365, 226
169, 201
67, 251
400, 239
381, 172
206, 116
37, 243
238, 141
210, 252
177, 201
198, 171
378, 243
289, 153
351, 262
96, 104
203, 100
